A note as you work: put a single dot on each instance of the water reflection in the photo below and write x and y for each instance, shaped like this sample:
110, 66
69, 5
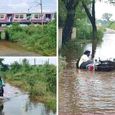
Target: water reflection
18, 103
1, 109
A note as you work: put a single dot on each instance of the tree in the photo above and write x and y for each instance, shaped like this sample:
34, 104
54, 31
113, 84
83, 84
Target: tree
62, 13
90, 11
70, 6
111, 1
107, 16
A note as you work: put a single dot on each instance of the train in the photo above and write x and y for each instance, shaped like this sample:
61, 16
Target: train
26, 18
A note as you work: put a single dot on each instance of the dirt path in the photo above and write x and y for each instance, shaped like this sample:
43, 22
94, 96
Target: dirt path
13, 49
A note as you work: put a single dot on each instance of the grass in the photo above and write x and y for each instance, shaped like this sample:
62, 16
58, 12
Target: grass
41, 40
112, 25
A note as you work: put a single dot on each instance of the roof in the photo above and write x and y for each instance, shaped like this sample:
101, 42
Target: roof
23, 12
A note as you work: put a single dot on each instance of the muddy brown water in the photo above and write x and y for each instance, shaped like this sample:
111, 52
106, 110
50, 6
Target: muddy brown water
16, 102
8, 48
85, 92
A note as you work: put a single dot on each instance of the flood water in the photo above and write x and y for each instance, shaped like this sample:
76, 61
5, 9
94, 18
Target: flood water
8, 48
106, 50
18, 103
85, 92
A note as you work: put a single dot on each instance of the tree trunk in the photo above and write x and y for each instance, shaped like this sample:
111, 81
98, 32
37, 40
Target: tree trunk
71, 9
67, 31
92, 19
94, 41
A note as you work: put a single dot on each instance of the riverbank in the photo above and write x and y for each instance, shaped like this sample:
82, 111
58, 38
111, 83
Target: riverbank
38, 80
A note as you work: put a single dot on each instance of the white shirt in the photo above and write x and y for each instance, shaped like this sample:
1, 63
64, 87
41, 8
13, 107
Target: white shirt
83, 58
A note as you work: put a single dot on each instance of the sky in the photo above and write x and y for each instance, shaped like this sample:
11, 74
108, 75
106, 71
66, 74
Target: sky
9, 6
102, 7
39, 60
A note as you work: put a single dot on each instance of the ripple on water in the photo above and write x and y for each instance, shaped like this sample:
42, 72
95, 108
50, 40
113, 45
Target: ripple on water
18, 103
87, 92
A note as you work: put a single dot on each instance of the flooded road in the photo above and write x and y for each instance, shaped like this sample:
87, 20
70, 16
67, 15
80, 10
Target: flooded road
18, 103
12, 49
85, 92
106, 50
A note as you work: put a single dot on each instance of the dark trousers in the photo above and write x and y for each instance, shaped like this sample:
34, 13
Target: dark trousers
1, 91
84, 64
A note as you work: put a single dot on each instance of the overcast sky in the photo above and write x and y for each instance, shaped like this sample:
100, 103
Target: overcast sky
102, 7
39, 60
10, 6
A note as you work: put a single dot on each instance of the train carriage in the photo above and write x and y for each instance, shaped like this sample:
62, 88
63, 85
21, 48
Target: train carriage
3, 18
26, 18
19, 18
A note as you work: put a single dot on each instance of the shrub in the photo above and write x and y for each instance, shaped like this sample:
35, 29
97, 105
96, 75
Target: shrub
35, 38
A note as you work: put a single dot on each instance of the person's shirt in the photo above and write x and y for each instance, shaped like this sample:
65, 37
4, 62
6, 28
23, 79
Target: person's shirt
84, 58
1, 83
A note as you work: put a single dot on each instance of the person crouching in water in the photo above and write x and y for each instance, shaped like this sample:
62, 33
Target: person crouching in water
1, 87
85, 62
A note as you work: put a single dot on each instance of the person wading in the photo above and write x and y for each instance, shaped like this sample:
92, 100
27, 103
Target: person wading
1, 87
85, 60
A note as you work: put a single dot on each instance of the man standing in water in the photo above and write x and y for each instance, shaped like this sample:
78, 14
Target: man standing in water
85, 61
1, 87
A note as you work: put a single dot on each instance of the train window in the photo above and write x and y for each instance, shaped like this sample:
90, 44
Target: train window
48, 16
16, 16
36, 15
21, 16
1, 16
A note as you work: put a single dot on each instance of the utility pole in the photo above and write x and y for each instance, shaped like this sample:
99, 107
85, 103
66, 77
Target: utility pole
41, 7
28, 10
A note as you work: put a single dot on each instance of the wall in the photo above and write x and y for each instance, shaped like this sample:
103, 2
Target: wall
73, 36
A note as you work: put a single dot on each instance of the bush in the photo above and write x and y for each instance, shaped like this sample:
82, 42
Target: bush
112, 25
83, 29
35, 38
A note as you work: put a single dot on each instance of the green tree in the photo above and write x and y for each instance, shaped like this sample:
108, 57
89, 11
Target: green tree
62, 13
70, 6
107, 16
90, 11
